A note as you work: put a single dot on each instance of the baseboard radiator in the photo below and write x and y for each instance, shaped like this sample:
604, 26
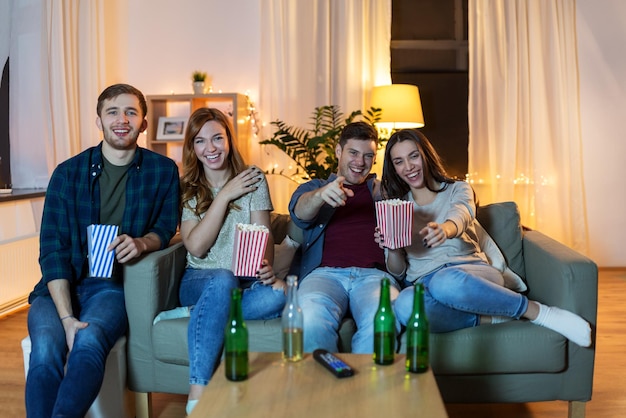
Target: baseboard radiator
19, 272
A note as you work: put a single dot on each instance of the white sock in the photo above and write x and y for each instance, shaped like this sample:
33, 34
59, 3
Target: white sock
500, 319
180, 312
566, 323
191, 404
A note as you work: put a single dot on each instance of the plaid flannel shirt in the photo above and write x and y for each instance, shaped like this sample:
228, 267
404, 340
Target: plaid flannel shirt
73, 202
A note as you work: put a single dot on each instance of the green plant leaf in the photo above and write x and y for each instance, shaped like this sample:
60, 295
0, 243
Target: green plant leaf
313, 148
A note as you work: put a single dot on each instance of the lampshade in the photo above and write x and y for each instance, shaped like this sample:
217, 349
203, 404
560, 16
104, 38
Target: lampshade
400, 104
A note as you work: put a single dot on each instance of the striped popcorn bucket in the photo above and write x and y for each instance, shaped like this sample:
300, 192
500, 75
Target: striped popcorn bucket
249, 249
395, 221
100, 260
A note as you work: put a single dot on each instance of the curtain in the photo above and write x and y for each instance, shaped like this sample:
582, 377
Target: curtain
316, 53
55, 51
75, 52
525, 140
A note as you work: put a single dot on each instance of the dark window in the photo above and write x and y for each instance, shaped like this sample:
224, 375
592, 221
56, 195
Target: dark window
429, 49
5, 149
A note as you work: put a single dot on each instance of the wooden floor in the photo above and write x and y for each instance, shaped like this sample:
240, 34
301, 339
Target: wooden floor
609, 393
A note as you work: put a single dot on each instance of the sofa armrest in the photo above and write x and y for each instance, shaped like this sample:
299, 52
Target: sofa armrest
150, 286
151, 283
560, 276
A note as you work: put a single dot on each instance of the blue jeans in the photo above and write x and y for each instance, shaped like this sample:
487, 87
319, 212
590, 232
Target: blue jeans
456, 296
209, 292
326, 294
51, 391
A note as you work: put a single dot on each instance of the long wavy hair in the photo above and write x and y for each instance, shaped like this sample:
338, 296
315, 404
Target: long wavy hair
435, 176
193, 181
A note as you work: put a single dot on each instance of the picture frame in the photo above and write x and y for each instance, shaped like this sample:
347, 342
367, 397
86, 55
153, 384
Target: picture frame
171, 128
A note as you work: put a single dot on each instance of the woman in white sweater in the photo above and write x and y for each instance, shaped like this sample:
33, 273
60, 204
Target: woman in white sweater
461, 289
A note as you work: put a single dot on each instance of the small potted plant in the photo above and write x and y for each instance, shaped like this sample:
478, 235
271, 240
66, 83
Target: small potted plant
199, 79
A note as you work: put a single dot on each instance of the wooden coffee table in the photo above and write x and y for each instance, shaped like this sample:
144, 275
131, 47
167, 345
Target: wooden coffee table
278, 389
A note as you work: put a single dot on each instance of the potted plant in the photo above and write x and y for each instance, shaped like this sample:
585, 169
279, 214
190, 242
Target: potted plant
198, 78
313, 149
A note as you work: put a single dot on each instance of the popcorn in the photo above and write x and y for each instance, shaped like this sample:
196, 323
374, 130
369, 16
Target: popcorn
249, 248
395, 221
98, 239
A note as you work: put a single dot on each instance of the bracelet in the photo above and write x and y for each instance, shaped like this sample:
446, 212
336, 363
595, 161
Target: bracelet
65, 317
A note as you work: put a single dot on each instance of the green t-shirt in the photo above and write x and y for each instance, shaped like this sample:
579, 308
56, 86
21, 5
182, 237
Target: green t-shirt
113, 199
112, 193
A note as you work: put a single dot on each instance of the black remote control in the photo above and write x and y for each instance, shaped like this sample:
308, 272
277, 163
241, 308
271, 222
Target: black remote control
332, 363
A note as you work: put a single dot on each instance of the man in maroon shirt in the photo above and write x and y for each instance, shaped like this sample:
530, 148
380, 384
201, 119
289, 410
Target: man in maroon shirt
342, 265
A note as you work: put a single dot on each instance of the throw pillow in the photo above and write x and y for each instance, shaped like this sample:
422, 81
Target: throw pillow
283, 255
502, 222
496, 259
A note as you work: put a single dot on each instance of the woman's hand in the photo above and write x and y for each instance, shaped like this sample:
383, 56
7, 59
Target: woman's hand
244, 183
396, 258
436, 234
379, 238
265, 274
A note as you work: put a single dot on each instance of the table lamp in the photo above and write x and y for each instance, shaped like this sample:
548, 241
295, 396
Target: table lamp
400, 104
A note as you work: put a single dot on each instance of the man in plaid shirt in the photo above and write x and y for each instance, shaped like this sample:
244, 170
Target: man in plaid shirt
113, 183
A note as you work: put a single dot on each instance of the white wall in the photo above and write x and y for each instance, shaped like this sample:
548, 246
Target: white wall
167, 40
157, 52
602, 66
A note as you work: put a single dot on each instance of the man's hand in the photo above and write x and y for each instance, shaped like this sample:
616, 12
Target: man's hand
71, 326
126, 247
334, 193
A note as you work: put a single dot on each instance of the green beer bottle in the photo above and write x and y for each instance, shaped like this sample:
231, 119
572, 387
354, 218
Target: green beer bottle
236, 341
292, 323
417, 334
384, 327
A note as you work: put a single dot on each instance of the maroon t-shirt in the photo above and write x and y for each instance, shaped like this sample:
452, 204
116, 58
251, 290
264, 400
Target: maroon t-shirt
349, 237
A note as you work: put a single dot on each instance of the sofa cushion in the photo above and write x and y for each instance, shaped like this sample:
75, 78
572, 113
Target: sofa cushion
509, 347
282, 226
502, 223
169, 340
283, 256
496, 259
266, 336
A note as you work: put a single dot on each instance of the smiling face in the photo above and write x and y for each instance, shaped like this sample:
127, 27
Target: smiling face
121, 121
408, 163
212, 147
355, 160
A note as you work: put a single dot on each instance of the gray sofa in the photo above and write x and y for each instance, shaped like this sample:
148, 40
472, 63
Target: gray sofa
508, 362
